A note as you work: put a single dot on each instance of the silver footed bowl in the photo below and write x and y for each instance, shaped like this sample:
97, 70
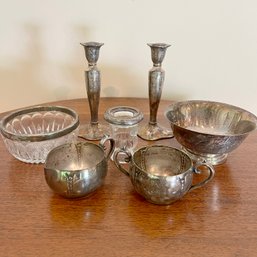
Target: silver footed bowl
209, 130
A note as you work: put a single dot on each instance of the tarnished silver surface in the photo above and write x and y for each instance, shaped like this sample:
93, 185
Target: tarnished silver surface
210, 130
77, 169
153, 131
94, 130
162, 174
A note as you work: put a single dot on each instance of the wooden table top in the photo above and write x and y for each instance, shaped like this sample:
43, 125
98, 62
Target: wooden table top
216, 220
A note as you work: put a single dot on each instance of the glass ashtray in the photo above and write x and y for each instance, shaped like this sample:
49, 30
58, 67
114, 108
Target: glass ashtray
29, 134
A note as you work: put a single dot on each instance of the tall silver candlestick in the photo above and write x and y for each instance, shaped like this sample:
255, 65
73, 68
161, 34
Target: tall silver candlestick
152, 131
94, 130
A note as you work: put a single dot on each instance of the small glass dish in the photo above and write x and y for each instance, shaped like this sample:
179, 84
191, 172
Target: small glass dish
29, 134
124, 126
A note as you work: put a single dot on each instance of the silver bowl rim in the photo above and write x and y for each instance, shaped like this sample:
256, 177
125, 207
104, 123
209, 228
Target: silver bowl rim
171, 106
39, 137
57, 148
161, 146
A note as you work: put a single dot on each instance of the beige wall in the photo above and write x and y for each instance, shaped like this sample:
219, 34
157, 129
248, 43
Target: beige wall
213, 54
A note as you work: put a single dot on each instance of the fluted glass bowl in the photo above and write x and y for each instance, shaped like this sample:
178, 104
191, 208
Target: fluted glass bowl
29, 134
210, 130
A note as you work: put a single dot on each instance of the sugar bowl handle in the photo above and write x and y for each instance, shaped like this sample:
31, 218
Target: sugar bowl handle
211, 172
117, 162
111, 148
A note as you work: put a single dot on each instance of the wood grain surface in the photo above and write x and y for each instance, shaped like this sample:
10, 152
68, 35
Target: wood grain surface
219, 219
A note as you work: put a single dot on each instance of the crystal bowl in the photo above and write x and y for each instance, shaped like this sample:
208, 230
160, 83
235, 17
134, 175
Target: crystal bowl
209, 130
29, 134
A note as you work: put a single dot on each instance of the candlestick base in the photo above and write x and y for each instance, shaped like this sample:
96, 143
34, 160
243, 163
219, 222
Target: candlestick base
94, 131
154, 132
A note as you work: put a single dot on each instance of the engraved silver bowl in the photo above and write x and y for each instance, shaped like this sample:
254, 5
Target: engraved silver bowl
209, 130
163, 174
29, 134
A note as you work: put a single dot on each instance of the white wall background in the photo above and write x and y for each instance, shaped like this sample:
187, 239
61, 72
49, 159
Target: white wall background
213, 54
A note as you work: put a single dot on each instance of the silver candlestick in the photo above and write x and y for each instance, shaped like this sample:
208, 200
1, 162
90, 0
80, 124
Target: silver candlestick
94, 130
152, 131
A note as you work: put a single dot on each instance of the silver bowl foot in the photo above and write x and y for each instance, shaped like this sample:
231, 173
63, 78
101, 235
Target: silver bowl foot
214, 159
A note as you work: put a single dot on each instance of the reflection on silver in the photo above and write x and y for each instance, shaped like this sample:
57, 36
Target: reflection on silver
209, 130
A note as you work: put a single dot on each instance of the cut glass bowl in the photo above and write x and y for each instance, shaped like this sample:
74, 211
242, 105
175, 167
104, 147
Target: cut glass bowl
29, 134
